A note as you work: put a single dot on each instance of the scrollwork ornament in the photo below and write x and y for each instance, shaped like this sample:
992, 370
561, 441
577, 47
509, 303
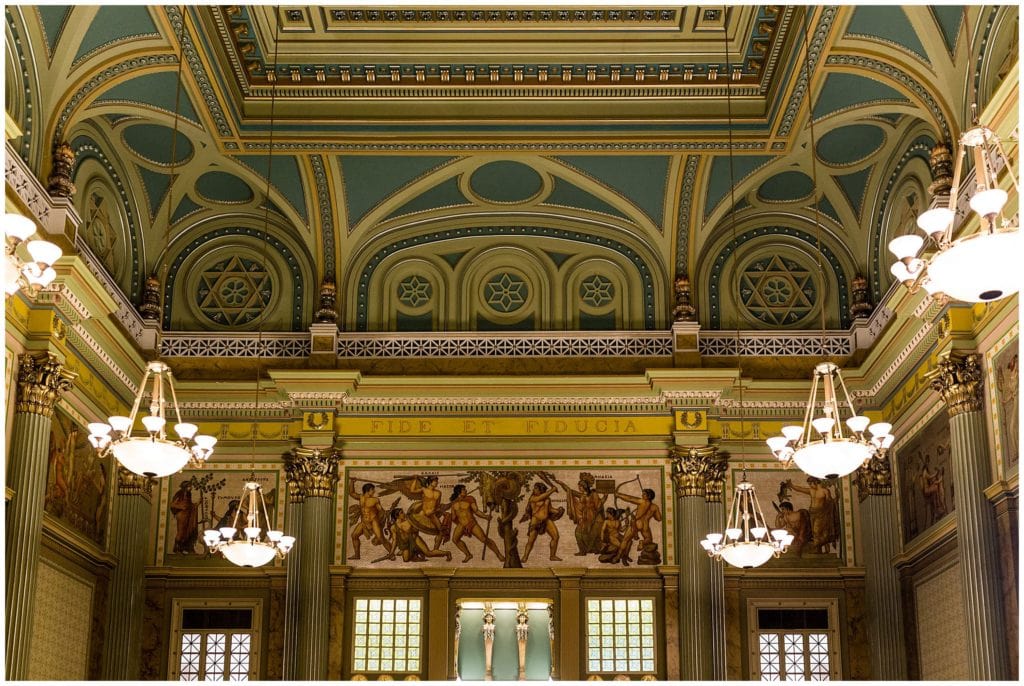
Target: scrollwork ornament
488, 628
959, 379
41, 380
522, 626
130, 483
312, 473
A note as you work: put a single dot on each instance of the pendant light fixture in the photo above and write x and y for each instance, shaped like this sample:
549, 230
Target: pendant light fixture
981, 266
27, 274
837, 451
745, 542
258, 544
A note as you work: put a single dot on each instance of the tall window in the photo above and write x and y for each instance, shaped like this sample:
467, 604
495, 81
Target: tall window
794, 643
620, 635
215, 642
387, 635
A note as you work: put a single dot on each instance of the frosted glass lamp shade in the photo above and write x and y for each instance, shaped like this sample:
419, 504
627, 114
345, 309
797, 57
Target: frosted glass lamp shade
880, 428
248, 554
831, 460
989, 202
900, 271
747, 555
185, 430
905, 247
150, 458
18, 227
936, 221
793, 432
44, 252
981, 268
858, 423
777, 443
120, 424
153, 423
823, 425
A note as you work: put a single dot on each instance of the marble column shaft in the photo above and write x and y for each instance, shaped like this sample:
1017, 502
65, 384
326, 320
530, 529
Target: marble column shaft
959, 379
293, 593
41, 378
881, 531
122, 642
716, 521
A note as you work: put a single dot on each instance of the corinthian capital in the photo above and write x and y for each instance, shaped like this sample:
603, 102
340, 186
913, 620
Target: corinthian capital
698, 472
874, 477
41, 380
311, 473
130, 483
959, 379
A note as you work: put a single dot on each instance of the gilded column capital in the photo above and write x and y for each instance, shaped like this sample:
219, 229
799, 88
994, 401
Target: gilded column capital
312, 473
41, 380
959, 379
874, 478
698, 472
130, 483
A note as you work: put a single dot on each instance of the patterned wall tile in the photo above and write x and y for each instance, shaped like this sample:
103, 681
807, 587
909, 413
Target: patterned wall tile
60, 632
940, 626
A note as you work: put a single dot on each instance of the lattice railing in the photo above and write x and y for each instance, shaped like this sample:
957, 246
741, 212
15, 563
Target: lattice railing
235, 345
574, 344
724, 343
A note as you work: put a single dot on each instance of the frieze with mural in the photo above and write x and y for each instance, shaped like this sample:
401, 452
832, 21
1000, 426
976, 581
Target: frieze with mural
925, 477
1006, 368
78, 481
504, 518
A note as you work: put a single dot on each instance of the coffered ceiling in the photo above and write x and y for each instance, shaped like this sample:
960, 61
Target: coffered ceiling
490, 168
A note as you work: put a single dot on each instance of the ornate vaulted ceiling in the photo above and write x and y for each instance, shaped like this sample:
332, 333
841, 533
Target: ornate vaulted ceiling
499, 169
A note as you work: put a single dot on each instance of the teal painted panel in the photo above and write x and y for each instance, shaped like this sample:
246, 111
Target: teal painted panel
116, 22
846, 90
849, 144
157, 90
287, 179
889, 23
223, 187
446, 194
565, 194
538, 647
949, 18
453, 258
411, 322
185, 208
369, 179
597, 322
471, 645
558, 258
52, 18
789, 185
639, 178
156, 186
719, 177
505, 658
853, 186
524, 324
826, 208
505, 181
154, 142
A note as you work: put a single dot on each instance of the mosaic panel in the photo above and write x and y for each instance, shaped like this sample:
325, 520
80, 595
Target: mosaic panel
77, 481
1006, 368
503, 518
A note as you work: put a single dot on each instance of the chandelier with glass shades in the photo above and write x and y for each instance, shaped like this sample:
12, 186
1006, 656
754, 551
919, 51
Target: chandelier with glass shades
36, 271
254, 546
836, 451
982, 266
747, 542
152, 454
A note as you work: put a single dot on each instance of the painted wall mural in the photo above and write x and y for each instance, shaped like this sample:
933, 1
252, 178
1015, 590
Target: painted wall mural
503, 518
200, 500
1006, 368
807, 507
925, 478
78, 482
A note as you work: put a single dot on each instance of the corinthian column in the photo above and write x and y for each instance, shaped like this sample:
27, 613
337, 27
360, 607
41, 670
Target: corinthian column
316, 470
959, 380
122, 642
293, 565
696, 472
41, 380
882, 584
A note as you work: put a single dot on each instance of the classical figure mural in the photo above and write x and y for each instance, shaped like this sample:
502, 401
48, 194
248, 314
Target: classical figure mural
78, 482
200, 500
806, 507
925, 478
1006, 368
503, 518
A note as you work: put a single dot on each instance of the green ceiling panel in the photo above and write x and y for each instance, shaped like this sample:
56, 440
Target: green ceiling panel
849, 144
114, 23
223, 187
888, 23
558, 258
826, 208
287, 178
853, 186
157, 89
445, 194
185, 208
505, 181
719, 177
52, 18
369, 179
843, 90
639, 178
153, 142
566, 194
948, 18
156, 186
453, 258
789, 185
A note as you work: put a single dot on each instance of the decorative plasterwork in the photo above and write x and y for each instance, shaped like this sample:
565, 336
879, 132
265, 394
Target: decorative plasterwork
214, 345
624, 344
326, 212
560, 147
199, 73
775, 344
683, 218
821, 31
27, 187
126, 312
26, 125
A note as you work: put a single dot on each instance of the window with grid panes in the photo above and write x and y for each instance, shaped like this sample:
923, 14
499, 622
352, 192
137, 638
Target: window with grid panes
794, 645
387, 635
215, 644
620, 635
